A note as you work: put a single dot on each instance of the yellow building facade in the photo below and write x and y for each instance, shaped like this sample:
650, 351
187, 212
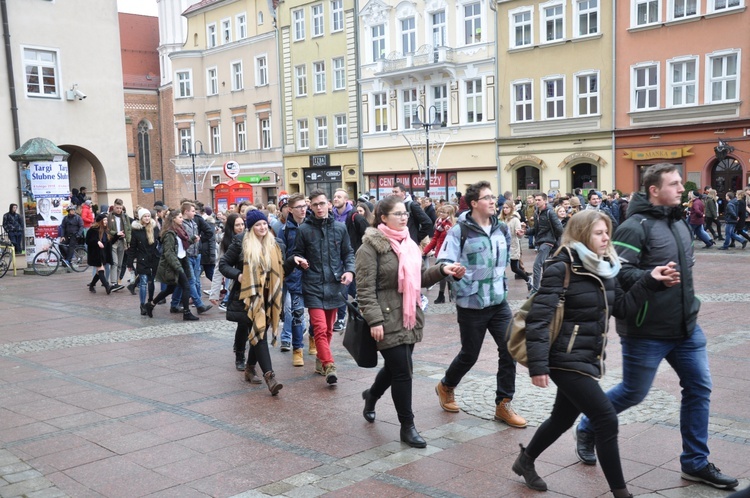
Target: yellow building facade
556, 96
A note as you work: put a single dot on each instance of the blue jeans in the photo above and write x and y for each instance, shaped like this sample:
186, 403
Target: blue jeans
701, 234
729, 235
146, 287
351, 290
688, 358
473, 326
195, 289
543, 252
294, 320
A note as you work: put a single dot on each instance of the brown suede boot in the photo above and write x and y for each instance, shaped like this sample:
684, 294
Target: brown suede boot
250, 374
297, 359
505, 413
524, 466
273, 385
312, 349
447, 400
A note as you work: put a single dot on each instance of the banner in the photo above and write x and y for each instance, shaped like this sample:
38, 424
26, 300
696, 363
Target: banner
46, 204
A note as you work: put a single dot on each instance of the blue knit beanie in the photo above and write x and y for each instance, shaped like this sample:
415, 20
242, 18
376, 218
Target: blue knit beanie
254, 216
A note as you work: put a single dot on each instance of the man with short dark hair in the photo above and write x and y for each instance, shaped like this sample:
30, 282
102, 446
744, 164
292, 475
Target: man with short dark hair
656, 234
481, 243
731, 217
596, 203
420, 225
197, 229
546, 231
323, 251
71, 228
119, 231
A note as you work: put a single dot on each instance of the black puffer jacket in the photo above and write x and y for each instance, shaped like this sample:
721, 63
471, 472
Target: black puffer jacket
589, 302
324, 243
143, 254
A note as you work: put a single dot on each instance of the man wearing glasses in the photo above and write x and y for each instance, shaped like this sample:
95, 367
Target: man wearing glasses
480, 242
322, 250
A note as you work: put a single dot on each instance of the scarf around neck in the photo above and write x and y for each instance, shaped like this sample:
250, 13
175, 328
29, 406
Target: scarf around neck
605, 268
409, 271
182, 235
264, 313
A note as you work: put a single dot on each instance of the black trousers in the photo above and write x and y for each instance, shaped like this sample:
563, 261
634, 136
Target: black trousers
184, 282
516, 268
396, 374
709, 226
576, 394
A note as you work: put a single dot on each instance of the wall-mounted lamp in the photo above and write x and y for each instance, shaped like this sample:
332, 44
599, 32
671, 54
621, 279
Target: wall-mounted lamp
74, 93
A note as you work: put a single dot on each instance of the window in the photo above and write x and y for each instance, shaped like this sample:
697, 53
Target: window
226, 31
554, 98
646, 12
237, 82
319, 73
261, 71
211, 35
472, 23
645, 87
341, 131
378, 42
184, 84
408, 36
380, 105
719, 5
298, 17
41, 73
522, 102
186, 140
144, 150
440, 101
474, 101
410, 107
587, 94
212, 81
339, 74
682, 82
303, 134
241, 136
260, 18
521, 28
215, 134
317, 20
321, 126
723, 77
552, 22
265, 133
337, 15
439, 38
680, 9
300, 73
586, 17
241, 22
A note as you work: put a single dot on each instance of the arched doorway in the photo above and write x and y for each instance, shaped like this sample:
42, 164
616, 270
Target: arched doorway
726, 176
584, 176
527, 180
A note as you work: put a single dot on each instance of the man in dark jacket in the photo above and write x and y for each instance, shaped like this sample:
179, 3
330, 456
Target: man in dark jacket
71, 227
356, 224
655, 234
118, 224
597, 204
546, 231
197, 229
429, 209
420, 225
323, 251
731, 216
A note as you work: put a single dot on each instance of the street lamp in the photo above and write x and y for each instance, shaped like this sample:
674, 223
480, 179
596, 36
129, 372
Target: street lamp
191, 154
416, 123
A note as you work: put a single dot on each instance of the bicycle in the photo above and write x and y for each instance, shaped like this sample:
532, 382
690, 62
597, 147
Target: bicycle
47, 261
6, 257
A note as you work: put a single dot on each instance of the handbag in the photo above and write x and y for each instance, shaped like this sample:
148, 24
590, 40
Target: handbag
515, 335
357, 337
237, 313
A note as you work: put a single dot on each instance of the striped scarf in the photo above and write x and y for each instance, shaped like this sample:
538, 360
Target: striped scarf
253, 292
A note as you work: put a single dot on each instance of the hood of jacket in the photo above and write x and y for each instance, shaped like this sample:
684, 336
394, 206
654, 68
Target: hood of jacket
639, 204
377, 240
341, 216
136, 225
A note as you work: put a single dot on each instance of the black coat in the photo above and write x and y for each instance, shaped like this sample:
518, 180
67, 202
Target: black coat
98, 256
420, 225
589, 303
140, 252
207, 232
356, 224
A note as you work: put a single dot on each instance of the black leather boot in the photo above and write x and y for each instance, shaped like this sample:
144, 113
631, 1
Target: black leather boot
440, 298
369, 411
105, 283
239, 360
189, 317
410, 436
524, 466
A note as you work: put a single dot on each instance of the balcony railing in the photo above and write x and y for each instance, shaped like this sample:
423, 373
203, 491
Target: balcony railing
427, 55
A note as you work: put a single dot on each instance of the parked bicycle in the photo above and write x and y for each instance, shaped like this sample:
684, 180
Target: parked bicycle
47, 261
6, 257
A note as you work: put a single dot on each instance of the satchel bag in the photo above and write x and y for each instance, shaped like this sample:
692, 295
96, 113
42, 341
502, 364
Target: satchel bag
515, 335
357, 337
237, 313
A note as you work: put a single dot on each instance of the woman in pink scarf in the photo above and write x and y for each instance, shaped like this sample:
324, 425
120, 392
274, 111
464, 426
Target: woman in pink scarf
390, 274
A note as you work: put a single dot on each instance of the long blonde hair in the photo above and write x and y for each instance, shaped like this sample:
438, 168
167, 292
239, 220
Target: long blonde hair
258, 251
580, 227
512, 206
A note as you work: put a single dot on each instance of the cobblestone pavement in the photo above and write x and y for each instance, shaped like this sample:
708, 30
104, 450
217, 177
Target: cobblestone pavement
96, 400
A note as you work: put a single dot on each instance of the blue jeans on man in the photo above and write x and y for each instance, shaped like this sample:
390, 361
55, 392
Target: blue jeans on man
194, 281
730, 235
689, 359
351, 290
294, 320
701, 233
542, 253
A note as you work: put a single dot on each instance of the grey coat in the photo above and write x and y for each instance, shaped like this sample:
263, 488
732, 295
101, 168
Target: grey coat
377, 265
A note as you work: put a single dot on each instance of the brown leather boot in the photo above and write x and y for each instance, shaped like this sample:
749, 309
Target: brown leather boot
250, 374
505, 413
273, 385
297, 359
447, 400
312, 349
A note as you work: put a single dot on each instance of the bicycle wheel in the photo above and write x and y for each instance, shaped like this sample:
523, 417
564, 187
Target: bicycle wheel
45, 263
80, 262
5, 261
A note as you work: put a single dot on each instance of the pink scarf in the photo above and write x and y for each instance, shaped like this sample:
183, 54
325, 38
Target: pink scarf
409, 271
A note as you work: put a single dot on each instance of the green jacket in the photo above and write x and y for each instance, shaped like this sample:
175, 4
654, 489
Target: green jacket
169, 268
124, 225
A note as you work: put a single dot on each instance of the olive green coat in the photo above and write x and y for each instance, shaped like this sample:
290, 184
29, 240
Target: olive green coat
170, 267
376, 262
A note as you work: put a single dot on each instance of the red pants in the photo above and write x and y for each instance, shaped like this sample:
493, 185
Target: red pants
322, 323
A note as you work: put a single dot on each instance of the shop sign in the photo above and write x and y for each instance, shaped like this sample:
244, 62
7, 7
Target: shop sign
320, 160
644, 155
322, 175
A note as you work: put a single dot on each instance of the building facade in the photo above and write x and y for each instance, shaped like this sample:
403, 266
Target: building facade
682, 85
225, 88
319, 95
433, 61
556, 95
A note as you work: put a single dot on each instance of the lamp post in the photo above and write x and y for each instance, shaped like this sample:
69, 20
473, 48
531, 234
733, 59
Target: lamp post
426, 124
192, 155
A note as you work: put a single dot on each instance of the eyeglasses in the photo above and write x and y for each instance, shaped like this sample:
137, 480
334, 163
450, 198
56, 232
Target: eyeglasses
301, 206
400, 214
490, 198
319, 204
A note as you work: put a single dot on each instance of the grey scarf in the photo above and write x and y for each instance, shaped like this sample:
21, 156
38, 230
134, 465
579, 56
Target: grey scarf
604, 268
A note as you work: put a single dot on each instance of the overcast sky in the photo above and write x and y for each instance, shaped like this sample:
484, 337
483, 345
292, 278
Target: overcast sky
144, 7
